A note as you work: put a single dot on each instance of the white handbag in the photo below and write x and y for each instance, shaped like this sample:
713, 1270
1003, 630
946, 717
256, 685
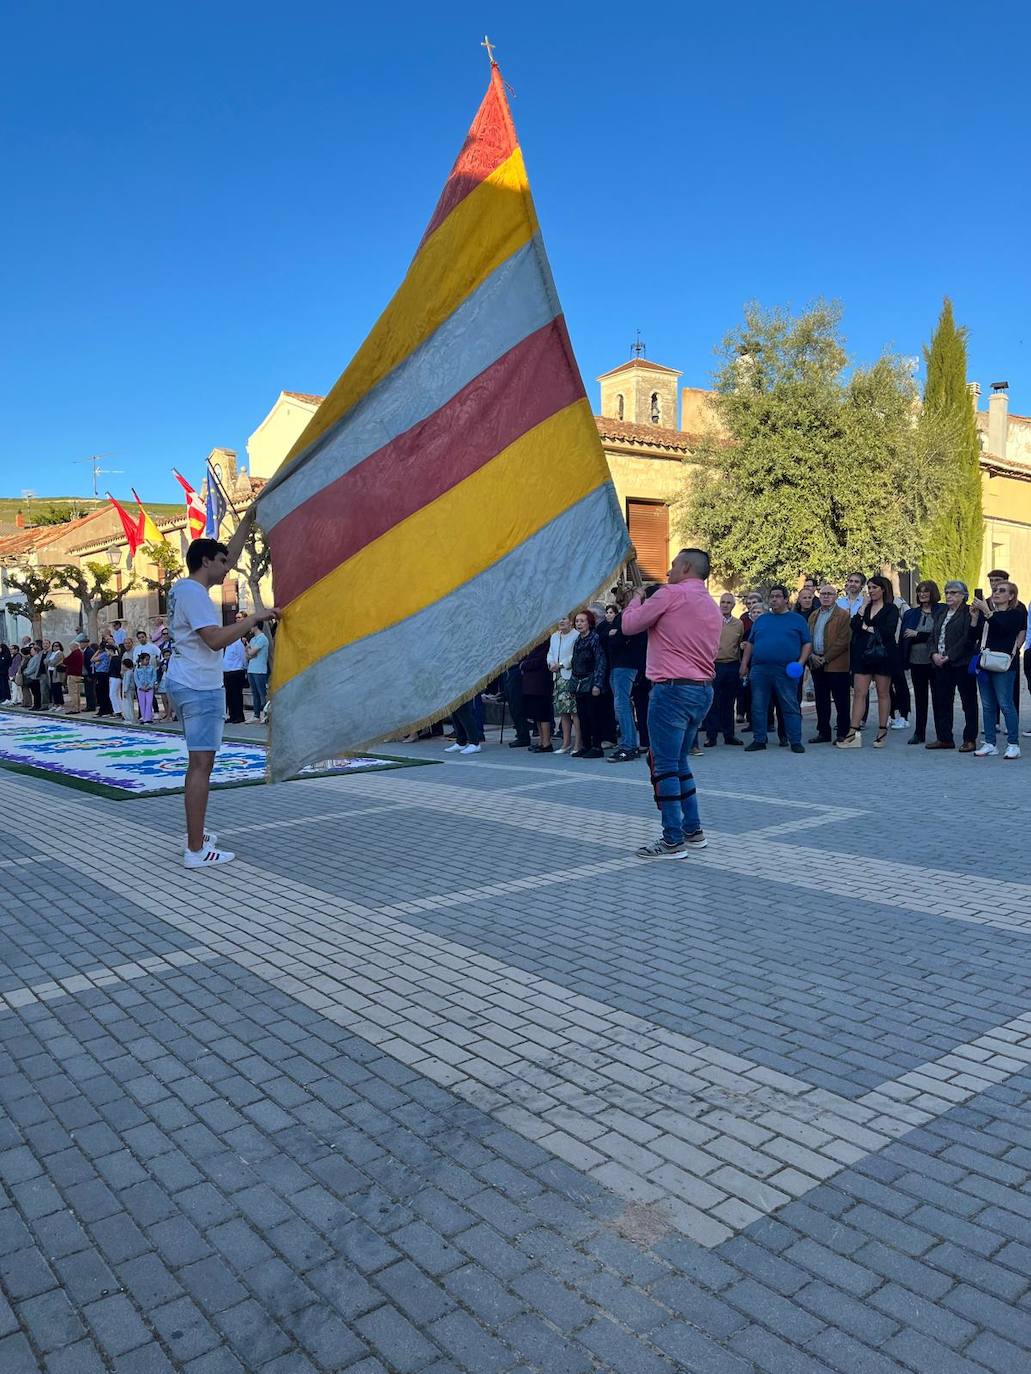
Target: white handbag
993, 660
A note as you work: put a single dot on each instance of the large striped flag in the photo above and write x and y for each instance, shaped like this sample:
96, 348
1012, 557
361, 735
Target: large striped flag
450, 499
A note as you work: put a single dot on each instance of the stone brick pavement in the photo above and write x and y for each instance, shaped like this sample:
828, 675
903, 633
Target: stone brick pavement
439, 1078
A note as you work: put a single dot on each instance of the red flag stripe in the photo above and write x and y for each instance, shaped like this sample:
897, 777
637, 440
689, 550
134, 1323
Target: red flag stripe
525, 386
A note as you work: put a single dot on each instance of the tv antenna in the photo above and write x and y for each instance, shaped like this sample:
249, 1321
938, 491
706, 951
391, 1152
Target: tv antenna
93, 462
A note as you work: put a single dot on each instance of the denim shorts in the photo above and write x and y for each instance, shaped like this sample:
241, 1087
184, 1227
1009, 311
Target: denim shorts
202, 714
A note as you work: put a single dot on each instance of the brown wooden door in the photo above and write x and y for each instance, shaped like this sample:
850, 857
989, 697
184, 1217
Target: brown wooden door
648, 523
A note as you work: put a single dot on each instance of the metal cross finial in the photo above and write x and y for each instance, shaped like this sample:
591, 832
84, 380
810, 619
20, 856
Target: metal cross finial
638, 347
490, 49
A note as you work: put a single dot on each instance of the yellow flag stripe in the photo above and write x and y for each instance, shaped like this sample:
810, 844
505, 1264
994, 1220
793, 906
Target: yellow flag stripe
480, 233
446, 543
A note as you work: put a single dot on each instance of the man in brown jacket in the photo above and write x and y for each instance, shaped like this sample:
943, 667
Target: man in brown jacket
831, 628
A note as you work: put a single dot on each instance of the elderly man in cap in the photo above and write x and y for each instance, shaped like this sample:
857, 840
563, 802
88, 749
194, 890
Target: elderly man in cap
73, 667
953, 644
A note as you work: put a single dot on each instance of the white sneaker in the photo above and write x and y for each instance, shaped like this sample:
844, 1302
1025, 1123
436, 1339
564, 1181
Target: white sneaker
472, 749
1027, 733
564, 749
207, 857
1012, 751
453, 748
985, 751
899, 723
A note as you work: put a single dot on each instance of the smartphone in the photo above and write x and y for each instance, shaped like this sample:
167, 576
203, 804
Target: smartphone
979, 593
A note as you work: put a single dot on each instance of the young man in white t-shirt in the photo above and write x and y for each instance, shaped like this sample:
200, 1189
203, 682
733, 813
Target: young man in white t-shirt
194, 681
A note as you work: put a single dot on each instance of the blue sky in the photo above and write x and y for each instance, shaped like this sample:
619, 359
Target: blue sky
209, 203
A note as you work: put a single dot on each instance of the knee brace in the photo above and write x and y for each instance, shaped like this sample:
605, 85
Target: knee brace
686, 780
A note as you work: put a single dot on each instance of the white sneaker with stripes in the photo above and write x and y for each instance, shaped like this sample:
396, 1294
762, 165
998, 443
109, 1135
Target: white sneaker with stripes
207, 857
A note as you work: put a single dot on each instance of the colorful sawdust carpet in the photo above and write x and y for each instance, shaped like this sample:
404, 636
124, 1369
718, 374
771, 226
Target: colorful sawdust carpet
134, 761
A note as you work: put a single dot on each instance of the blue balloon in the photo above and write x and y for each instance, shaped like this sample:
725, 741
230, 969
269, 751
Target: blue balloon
794, 670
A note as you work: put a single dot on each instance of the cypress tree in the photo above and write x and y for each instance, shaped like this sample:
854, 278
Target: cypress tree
953, 533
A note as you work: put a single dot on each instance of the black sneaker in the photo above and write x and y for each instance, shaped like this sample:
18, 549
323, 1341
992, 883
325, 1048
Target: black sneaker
798, 748
622, 756
711, 743
782, 743
754, 747
820, 739
541, 749
592, 754
734, 740
519, 744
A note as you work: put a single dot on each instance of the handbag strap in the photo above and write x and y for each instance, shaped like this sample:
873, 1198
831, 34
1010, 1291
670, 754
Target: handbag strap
984, 634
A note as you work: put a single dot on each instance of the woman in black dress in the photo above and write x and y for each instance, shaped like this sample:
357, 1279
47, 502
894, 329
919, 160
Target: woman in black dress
876, 657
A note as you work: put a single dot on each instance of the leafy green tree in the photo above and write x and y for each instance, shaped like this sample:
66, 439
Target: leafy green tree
808, 467
167, 563
36, 586
95, 586
59, 513
952, 533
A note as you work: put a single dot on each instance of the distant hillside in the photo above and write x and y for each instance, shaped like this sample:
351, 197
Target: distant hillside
11, 505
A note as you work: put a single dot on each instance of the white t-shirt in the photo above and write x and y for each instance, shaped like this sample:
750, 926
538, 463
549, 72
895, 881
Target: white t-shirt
193, 664
148, 648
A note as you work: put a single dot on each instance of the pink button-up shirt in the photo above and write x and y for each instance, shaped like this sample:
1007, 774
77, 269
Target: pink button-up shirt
683, 624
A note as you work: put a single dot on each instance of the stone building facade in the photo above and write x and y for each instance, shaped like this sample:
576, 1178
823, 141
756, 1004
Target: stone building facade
98, 537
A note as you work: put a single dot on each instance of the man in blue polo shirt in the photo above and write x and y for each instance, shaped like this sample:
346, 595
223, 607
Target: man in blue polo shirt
775, 640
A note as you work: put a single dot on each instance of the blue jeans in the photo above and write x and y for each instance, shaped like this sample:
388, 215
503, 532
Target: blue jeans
997, 689
259, 691
622, 680
770, 679
674, 715
466, 721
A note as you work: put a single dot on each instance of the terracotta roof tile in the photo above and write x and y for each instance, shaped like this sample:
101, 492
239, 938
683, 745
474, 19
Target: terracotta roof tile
652, 436
20, 542
304, 396
39, 536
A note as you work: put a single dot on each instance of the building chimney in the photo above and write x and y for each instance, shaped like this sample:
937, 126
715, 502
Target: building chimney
998, 419
975, 393
19, 520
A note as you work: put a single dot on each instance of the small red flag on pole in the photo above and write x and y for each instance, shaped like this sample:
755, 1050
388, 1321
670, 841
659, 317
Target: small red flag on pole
129, 525
195, 513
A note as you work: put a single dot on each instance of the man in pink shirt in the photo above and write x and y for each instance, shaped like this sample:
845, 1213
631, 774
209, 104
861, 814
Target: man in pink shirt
683, 624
